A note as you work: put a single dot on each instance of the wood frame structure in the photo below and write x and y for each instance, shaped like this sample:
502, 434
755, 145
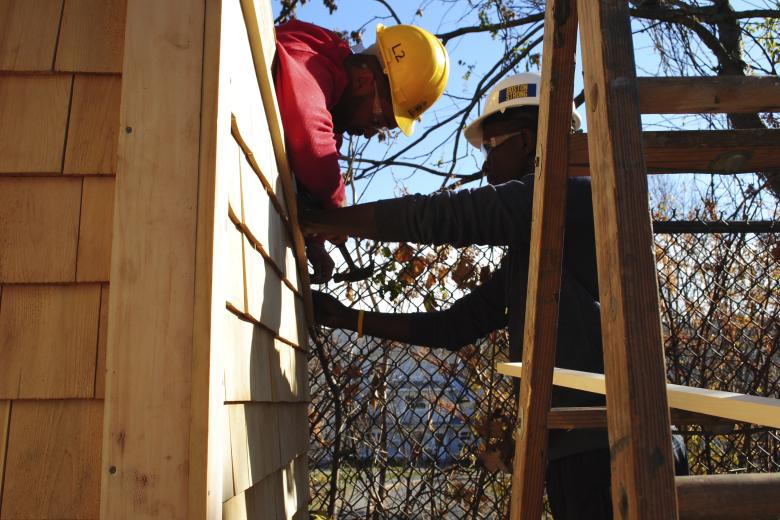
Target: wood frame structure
618, 156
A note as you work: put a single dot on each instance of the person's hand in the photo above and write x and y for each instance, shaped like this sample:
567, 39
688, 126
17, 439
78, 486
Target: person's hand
328, 310
321, 262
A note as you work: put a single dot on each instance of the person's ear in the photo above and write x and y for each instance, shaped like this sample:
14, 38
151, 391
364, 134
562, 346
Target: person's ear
363, 80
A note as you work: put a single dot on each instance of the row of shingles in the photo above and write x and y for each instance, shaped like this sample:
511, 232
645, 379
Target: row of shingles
266, 393
60, 65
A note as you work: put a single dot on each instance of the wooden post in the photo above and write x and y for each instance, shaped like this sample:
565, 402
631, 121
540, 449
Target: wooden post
544, 270
638, 413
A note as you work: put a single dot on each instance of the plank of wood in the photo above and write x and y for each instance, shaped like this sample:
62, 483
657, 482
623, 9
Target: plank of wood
92, 36
709, 151
261, 218
33, 122
48, 341
23, 49
263, 500
544, 264
235, 272
270, 301
639, 429
5, 420
100, 365
258, 15
94, 125
53, 465
289, 374
714, 94
254, 438
729, 405
293, 429
97, 221
721, 497
151, 439
39, 222
247, 358
596, 417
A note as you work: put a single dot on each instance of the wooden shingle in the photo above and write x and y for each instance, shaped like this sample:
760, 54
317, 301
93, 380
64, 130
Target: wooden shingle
95, 229
92, 36
21, 47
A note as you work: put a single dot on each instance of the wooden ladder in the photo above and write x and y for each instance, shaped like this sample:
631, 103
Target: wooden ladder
618, 155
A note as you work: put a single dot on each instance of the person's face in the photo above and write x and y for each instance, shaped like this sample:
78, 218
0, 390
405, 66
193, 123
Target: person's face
369, 108
510, 148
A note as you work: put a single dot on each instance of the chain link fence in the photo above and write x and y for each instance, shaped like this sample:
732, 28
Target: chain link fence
408, 432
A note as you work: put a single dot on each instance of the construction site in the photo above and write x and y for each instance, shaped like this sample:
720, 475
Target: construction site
162, 354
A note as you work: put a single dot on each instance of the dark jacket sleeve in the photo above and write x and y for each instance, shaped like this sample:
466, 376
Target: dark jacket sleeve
470, 318
492, 215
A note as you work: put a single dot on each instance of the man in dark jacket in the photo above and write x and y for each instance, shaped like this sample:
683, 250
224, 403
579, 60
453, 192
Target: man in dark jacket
578, 474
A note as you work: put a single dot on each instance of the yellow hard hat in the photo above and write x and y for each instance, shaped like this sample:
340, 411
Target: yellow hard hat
417, 65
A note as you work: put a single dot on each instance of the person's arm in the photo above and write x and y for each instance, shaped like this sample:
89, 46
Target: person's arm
472, 317
492, 215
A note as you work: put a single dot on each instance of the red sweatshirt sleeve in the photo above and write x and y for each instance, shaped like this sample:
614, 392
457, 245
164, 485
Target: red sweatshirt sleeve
305, 87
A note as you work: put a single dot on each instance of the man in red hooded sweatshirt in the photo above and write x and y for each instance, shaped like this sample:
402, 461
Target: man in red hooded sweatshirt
324, 90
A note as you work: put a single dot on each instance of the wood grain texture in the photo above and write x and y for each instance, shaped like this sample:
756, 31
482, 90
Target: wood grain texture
97, 222
294, 430
717, 94
639, 430
23, 49
263, 500
33, 120
235, 290
53, 466
148, 435
729, 405
270, 301
721, 497
254, 438
100, 364
91, 36
259, 23
48, 341
94, 125
247, 359
709, 151
5, 418
289, 373
544, 266
39, 221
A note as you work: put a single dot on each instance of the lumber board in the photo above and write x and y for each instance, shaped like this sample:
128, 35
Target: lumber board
706, 151
93, 261
5, 420
235, 292
92, 36
53, 466
100, 368
48, 341
271, 302
39, 225
23, 49
154, 447
258, 15
255, 431
714, 94
729, 405
289, 373
596, 417
247, 358
639, 429
263, 500
246, 103
721, 497
262, 220
33, 122
545, 260
93, 125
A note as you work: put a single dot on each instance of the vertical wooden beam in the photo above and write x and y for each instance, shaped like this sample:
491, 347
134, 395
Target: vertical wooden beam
147, 469
544, 269
638, 413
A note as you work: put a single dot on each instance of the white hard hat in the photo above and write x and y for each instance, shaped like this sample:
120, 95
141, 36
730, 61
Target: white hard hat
519, 90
